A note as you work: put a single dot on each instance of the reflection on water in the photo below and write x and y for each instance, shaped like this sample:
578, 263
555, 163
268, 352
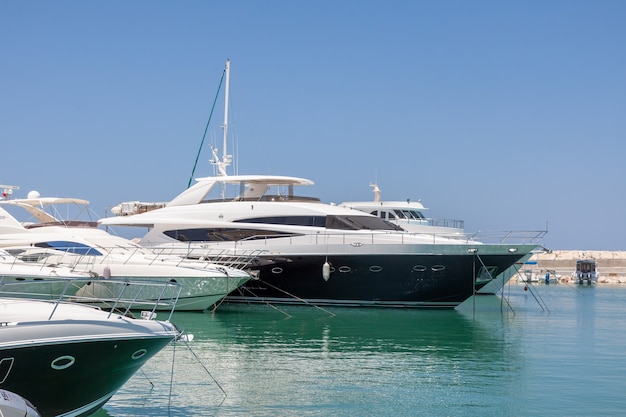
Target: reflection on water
564, 357
306, 361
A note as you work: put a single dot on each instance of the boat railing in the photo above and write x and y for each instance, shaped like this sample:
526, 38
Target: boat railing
504, 236
354, 238
239, 259
117, 296
175, 255
449, 223
265, 197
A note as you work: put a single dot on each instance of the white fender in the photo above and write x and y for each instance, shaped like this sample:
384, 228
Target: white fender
326, 271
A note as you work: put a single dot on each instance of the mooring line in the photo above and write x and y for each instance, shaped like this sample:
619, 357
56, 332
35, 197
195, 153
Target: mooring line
267, 303
299, 299
206, 370
536, 296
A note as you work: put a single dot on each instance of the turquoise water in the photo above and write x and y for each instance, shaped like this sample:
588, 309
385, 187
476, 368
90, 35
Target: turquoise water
483, 359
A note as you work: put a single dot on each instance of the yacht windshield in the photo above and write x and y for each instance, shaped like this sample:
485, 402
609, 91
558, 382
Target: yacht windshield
409, 214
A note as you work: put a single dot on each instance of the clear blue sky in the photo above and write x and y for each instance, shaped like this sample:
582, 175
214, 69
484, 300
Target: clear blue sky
508, 115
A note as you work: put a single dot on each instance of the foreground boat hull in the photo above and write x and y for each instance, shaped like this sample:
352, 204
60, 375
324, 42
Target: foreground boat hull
68, 359
373, 280
99, 369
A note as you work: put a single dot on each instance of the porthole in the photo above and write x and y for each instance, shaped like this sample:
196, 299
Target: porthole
376, 268
63, 362
344, 269
438, 268
419, 268
277, 270
139, 354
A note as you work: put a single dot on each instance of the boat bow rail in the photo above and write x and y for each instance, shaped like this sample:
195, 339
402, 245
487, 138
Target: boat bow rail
117, 296
360, 238
504, 237
82, 258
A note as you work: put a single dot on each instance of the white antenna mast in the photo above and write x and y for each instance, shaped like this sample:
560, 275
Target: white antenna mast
7, 191
226, 159
376, 191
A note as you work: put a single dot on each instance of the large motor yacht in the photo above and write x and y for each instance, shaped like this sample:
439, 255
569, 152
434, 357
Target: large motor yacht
319, 253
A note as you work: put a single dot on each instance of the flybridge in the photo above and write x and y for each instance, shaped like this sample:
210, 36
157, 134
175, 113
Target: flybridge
213, 189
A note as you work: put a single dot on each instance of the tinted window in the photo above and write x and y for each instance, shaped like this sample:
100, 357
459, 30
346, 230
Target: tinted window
70, 247
221, 235
316, 221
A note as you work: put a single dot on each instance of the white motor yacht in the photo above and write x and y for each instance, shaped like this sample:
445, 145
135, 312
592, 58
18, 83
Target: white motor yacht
320, 253
408, 215
80, 245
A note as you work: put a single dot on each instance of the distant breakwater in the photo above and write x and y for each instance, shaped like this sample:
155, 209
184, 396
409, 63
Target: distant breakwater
611, 265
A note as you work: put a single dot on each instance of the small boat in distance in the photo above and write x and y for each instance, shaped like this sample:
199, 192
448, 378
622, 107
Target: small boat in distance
586, 272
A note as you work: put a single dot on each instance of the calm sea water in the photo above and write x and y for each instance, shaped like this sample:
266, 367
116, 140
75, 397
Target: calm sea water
494, 356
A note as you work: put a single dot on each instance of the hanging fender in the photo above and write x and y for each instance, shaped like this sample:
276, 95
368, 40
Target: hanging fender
326, 271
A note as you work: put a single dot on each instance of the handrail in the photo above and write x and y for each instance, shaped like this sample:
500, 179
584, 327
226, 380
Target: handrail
232, 254
175, 255
112, 295
531, 237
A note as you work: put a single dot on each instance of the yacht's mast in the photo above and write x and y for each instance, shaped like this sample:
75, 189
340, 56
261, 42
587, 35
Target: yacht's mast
223, 162
225, 157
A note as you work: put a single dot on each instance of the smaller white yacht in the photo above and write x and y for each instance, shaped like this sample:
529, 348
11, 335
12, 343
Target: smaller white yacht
48, 240
408, 214
69, 359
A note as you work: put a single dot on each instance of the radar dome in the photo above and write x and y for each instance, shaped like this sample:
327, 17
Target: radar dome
33, 195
